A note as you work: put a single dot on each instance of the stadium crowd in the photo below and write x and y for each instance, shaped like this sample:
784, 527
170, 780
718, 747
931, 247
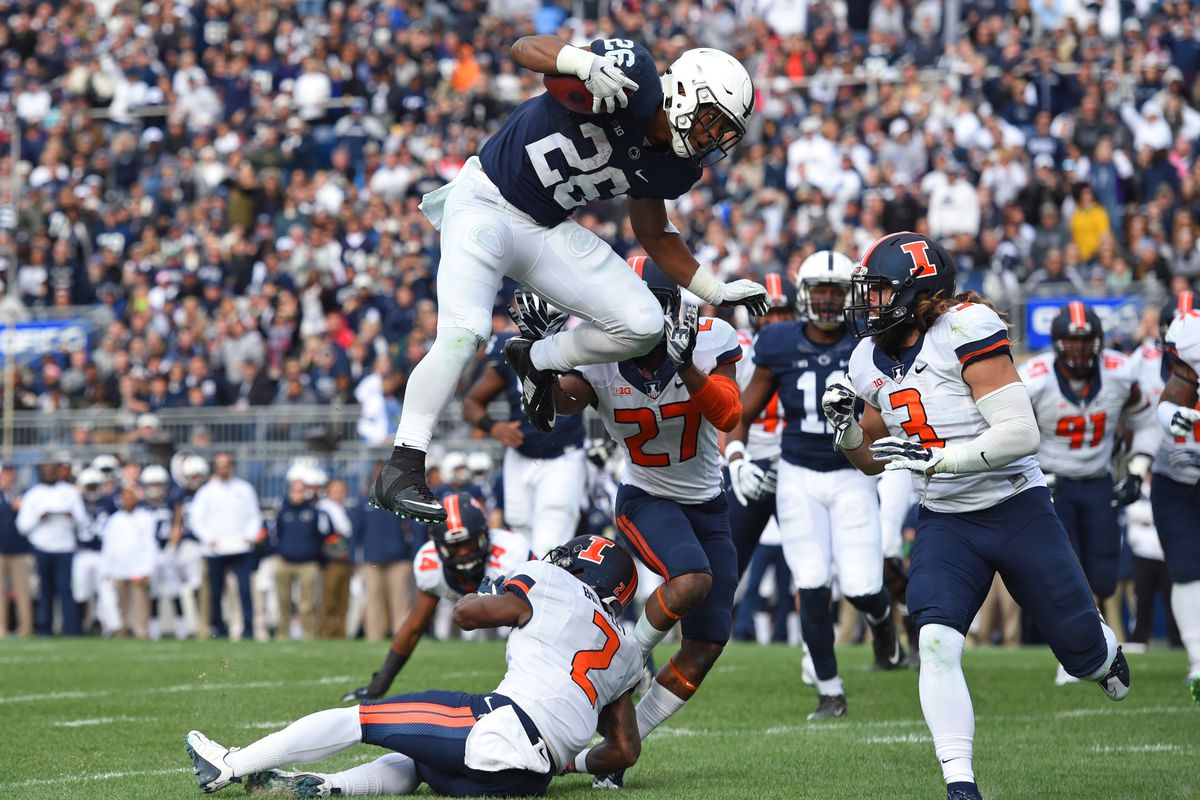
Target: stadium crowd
239, 184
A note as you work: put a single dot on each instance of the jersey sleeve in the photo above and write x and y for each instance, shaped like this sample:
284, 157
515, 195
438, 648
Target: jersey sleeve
721, 341
861, 372
769, 347
1034, 373
1183, 340
427, 569
745, 367
977, 333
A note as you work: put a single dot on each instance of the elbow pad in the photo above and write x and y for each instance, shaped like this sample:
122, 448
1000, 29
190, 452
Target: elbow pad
1013, 433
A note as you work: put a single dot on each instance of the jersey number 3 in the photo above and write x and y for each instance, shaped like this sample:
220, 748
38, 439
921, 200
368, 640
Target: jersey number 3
587, 660
918, 423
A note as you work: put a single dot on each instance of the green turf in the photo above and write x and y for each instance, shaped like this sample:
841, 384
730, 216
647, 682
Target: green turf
87, 719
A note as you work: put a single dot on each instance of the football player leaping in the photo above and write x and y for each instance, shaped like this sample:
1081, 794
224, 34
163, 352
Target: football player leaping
461, 553
1175, 493
943, 400
828, 511
1079, 394
665, 408
571, 672
508, 214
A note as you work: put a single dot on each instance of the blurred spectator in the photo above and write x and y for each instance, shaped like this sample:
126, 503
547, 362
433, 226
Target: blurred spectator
15, 560
129, 554
226, 520
298, 531
50, 516
387, 562
336, 569
1088, 223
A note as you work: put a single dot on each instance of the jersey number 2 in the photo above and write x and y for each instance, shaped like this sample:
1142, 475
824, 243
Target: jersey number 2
587, 660
918, 423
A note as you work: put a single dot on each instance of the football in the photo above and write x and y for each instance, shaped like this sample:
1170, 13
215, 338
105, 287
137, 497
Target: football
570, 92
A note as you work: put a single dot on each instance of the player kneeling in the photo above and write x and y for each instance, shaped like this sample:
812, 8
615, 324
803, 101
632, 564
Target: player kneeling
943, 400
571, 672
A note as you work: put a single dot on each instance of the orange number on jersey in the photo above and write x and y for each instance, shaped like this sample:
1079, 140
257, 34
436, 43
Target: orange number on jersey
648, 429
587, 660
427, 563
595, 551
704, 325
769, 418
1075, 429
917, 424
494, 556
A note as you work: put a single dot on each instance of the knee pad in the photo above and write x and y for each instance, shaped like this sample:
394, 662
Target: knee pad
941, 647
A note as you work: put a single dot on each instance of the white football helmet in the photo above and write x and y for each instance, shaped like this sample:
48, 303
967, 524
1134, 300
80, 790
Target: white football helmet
707, 77
194, 471
825, 266
479, 462
91, 484
154, 480
454, 468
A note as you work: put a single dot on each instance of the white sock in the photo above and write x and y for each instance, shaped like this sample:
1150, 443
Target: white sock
647, 636
308, 739
656, 708
433, 382
1185, 605
394, 773
946, 702
1110, 639
831, 687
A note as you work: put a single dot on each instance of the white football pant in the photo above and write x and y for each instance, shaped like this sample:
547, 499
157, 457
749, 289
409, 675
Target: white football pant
896, 497
542, 497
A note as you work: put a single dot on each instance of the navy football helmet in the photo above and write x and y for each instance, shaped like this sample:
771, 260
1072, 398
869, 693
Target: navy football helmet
666, 290
462, 539
1078, 336
602, 564
896, 272
1181, 304
781, 293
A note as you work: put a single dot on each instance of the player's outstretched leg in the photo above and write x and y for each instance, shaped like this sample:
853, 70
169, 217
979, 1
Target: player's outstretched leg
308, 739
391, 774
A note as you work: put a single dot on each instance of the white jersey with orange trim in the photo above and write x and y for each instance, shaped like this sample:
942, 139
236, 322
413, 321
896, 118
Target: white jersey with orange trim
570, 660
670, 448
924, 398
1077, 422
507, 553
763, 437
1147, 364
1182, 342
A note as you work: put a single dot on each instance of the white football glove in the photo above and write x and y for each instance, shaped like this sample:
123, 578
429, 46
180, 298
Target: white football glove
1183, 421
838, 404
608, 83
744, 293
749, 481
903, 454
681, 338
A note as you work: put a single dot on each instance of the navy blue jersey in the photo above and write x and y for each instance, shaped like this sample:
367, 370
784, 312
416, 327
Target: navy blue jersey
548, 161
91, 537
803, 369
567, 433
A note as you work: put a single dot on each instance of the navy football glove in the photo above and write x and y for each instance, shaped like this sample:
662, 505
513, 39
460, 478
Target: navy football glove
1126, 491
534, 316
489, 586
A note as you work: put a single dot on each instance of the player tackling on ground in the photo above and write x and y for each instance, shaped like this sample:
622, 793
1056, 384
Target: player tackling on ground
508, 214
943, 400
571, 672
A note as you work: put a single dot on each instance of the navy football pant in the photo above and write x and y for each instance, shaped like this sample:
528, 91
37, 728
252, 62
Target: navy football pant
431, 728
1084, 506
674, 539
1176, 509
956, 556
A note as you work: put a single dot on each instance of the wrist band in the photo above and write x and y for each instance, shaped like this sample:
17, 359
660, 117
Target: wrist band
485, 423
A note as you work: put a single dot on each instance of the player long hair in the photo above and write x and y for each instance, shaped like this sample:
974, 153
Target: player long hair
930, 308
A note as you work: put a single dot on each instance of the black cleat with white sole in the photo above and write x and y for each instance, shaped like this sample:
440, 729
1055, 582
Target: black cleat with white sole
962, 790
609, 780
401, 488
537, 385
885, 639
1116, 683
830, 706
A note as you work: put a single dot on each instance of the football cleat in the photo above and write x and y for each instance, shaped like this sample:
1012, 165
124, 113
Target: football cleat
537, 385
1116, 683
208, 762
277, 783
609, 780
885, 640
830, 706
401, 488
1064, 678
962, 790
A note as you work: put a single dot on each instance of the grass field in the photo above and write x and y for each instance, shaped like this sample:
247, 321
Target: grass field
88, 719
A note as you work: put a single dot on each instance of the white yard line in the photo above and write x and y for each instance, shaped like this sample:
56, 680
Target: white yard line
87, 723
33, 698
1136, 748
100, 776
908, 738
181, 687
